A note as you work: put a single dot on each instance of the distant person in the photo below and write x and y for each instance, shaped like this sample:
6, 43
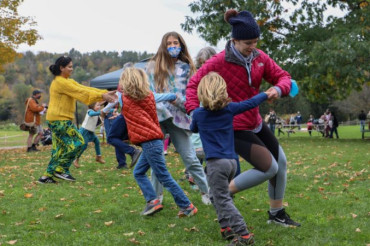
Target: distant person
310, 123
87, 131
298, 119
368, 118
362, 118
169, 71
139, 109
334, 125
32, 114
327, 121
272, 120
67, 141
218, 142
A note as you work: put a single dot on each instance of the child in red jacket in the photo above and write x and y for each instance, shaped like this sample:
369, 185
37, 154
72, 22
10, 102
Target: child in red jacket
143, 128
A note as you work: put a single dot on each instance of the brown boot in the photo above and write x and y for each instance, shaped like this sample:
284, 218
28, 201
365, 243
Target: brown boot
100, 159
75, 163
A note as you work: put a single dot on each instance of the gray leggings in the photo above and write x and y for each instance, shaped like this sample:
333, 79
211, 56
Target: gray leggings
263, 152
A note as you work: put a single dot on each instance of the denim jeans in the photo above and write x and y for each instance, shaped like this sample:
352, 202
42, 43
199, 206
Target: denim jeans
117, 133
108, 123
152, 157
182, 142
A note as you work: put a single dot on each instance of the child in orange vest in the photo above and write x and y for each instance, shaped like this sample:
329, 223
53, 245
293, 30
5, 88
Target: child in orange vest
139, 110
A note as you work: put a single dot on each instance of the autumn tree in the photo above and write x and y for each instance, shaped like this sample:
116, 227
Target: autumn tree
327, 54
14, 30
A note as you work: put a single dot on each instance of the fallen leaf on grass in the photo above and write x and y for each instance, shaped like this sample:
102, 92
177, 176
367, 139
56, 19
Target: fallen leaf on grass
74, 230
12, 242
2, 193
129, 234
171, 225
58, 216
257, 210
42, 209
354, 215
63, 199
28, 195
87, 225
98, 211
191, 229
358, 230
125, 195
285, 204
109, 223
133, 240
141, 233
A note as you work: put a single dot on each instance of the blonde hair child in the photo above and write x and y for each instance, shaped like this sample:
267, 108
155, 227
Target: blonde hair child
140, 113
218, 143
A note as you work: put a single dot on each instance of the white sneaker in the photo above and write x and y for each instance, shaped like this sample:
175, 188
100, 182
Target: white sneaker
160, 197
205, 199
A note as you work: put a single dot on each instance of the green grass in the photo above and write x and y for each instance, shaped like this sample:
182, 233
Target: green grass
327, 191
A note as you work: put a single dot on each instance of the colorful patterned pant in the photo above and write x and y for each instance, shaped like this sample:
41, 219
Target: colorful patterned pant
67, 145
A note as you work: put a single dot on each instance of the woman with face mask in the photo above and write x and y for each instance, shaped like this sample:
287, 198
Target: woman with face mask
169, 72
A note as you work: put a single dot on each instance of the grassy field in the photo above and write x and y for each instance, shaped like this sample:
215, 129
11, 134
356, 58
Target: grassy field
327, 191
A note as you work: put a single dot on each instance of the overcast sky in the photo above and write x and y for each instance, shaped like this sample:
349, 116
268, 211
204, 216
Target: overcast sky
111, 25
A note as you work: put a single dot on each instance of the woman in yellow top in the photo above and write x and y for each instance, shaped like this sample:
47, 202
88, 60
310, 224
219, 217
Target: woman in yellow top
67, 141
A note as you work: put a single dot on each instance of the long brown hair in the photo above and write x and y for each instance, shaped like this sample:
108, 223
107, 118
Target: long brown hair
164, 63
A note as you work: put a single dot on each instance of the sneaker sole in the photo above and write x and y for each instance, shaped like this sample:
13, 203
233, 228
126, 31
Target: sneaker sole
278, 223
134, 161
45, 182
192, 213
62, 177
154, 210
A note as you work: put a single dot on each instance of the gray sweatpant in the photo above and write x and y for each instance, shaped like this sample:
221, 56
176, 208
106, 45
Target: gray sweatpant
219, 174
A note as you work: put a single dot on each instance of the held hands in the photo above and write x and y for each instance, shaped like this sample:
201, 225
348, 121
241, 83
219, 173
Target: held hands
272, 94
110, 96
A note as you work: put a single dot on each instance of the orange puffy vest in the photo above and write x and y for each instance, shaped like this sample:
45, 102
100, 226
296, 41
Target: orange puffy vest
141, 119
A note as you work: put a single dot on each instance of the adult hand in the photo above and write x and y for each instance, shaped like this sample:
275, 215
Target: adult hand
110, 96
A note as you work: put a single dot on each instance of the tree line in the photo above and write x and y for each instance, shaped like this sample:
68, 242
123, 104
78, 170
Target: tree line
30, 71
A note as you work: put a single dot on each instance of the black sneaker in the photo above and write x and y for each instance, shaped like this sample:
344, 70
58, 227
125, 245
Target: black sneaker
152, 207
122, 167
227, 233
34, 147
135, 157
243, 240
64, 176
48, 180
282, 218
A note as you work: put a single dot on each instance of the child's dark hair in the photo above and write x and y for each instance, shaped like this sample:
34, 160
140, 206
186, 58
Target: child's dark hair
62, 61
92, 106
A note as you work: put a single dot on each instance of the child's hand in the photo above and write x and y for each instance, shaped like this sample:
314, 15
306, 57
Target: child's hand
272, 94
174, 100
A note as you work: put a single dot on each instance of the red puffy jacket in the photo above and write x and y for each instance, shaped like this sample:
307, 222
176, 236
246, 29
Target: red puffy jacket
235, 74
141, 119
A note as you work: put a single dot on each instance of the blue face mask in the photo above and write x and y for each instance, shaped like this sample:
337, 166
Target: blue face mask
174, 51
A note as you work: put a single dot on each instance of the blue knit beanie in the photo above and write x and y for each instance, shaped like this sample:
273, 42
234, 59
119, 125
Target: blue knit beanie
244, 26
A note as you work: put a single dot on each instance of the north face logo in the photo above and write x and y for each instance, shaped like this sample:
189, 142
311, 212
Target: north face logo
260, 64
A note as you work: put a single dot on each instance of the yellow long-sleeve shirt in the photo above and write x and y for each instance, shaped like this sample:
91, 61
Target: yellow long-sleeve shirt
63, 95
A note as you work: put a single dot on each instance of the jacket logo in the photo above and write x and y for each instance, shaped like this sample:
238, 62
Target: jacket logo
260, 64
